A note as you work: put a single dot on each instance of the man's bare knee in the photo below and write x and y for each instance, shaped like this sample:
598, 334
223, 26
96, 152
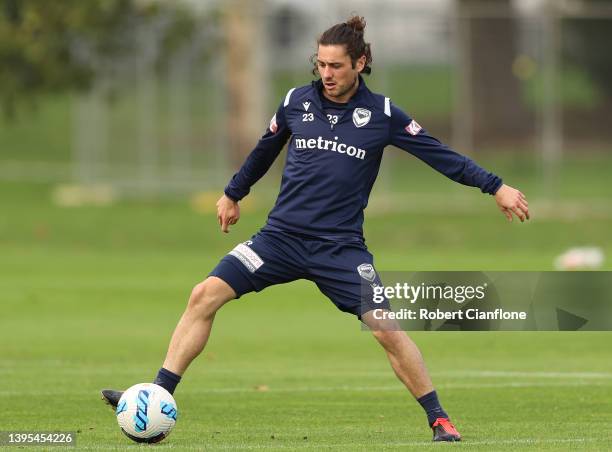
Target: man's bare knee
381, 335
390, 339
209, 295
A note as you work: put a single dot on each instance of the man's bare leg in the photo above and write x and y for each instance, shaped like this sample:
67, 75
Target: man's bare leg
404, 356
190, 335
407, 363
193, 329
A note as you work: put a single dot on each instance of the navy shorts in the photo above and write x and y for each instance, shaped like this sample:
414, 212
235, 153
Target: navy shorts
343, 271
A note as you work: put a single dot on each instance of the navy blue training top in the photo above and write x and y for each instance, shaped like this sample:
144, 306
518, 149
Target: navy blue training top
333, 159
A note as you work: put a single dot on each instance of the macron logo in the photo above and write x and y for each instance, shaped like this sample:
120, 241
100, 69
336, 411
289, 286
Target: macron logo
329, 145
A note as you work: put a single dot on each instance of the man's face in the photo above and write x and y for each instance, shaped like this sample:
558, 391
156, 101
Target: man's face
338, 76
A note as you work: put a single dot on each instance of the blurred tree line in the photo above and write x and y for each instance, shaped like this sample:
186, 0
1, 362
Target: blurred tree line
588, 46
491, 39
49, 46
491, 42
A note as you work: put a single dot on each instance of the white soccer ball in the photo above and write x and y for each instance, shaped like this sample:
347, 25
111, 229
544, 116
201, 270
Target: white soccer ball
146, 413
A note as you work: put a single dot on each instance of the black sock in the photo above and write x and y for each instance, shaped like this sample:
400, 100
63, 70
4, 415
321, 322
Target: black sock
432, 407
167, 380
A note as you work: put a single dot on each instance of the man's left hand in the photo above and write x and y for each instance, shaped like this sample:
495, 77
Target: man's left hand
510, 200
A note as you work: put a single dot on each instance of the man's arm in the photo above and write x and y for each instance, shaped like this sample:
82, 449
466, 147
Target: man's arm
408, 135
256, 165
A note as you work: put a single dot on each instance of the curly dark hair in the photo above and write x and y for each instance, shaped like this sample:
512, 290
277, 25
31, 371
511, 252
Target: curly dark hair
349, 34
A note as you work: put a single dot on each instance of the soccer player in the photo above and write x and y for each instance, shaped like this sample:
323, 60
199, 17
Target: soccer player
337, 130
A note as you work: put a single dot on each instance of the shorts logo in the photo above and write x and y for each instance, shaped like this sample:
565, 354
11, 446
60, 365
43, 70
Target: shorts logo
366, 271
413, 128
249, 258
273, 125
361, 117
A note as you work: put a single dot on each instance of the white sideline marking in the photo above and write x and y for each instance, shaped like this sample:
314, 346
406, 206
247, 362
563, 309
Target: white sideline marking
427, 203
15, 367
398, 387
313, 389
319, 446
520, 374
526, 441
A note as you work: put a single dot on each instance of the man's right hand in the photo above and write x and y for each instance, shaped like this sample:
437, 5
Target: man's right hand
228, 212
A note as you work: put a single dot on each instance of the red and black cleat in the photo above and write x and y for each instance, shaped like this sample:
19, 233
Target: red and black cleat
444, 430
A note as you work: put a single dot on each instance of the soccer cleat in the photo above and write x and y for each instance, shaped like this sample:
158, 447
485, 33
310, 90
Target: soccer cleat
444, 430
111, 397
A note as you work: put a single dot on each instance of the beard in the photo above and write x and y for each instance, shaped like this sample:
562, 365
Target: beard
341, 91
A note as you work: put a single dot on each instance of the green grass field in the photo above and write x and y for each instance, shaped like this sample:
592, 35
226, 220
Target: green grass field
90, 296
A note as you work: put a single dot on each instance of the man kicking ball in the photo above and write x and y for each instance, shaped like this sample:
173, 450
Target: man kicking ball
337, 130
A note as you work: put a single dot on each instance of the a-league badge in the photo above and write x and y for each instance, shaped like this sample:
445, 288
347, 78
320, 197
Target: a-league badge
361, 116
413, 128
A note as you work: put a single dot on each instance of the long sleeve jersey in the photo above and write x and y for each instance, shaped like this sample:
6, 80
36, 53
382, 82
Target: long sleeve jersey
333, 160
